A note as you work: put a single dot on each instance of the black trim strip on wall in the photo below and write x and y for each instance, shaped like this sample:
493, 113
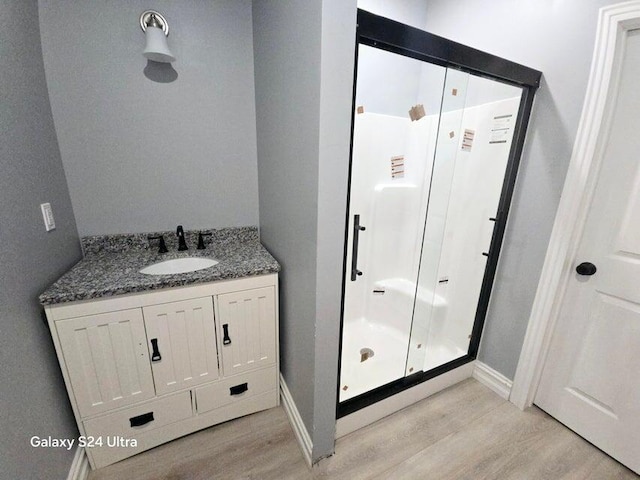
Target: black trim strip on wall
396, 37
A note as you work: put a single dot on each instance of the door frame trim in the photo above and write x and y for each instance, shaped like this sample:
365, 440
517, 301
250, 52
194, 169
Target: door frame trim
614, 21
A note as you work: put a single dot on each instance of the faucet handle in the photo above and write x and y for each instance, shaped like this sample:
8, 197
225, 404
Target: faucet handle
163, 246
182, 244
201, 240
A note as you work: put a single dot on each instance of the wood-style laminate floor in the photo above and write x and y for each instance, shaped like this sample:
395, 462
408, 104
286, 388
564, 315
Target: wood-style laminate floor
464, 432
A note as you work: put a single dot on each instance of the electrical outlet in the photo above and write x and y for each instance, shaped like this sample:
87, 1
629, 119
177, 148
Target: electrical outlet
47, 215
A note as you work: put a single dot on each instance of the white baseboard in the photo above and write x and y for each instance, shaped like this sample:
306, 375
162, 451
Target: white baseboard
80, 466
299, 429
492, 379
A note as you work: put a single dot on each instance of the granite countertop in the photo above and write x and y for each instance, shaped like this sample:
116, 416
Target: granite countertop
111, 263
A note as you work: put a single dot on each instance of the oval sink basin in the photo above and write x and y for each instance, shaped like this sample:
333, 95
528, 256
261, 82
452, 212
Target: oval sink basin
179, 265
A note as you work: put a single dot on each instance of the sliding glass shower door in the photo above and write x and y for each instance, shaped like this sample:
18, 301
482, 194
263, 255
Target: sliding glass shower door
430, 149
474, 141
390, 177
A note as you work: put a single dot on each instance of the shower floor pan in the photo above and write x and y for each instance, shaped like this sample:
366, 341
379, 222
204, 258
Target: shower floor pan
374, 355
362, 370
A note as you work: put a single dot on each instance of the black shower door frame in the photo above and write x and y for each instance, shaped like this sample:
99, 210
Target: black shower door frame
383, 33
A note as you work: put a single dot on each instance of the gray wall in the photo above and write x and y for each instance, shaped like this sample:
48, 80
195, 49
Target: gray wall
556, 38
336, 92
287, 78
302, 171
141, 155
33, 399
409, 12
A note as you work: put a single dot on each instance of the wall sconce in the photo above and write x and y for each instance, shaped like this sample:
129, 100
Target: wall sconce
156, 30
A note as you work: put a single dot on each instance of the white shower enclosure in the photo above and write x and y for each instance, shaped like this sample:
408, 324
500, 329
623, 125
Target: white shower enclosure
431, 148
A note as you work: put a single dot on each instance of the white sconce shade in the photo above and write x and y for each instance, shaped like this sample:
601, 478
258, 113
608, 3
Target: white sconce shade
157, 48
156, 30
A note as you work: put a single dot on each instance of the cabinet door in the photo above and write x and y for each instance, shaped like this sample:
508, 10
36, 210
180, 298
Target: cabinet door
247, 327
182, 343
107, 360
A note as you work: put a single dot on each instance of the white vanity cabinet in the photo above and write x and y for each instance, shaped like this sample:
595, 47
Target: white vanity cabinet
143, 369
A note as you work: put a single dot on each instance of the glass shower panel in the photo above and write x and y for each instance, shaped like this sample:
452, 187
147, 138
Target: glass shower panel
398, 102
469, 170
428, 301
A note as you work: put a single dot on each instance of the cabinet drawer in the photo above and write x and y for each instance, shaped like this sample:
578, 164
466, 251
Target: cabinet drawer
129, 422
239, 387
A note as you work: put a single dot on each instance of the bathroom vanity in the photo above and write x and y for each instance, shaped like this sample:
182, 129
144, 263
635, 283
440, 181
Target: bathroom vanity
149, 358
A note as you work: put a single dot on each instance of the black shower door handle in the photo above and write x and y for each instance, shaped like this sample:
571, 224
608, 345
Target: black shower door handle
357, 228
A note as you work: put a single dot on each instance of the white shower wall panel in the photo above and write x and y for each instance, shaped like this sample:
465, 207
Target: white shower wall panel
391, 242
389, 208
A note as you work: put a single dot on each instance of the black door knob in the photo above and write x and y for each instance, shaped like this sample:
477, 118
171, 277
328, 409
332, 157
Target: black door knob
586, 268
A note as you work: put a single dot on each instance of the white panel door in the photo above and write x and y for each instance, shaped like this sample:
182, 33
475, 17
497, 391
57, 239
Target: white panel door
182, 343
247, 327
107, 360
591, 378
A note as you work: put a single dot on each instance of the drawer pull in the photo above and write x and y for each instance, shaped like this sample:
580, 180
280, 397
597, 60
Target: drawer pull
238, 389
141, 419
155, 356
226, 340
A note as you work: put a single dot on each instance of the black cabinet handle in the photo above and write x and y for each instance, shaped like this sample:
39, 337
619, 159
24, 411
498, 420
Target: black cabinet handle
141, 419
586, 268
226, 340
357, 228
238, 389
155, 355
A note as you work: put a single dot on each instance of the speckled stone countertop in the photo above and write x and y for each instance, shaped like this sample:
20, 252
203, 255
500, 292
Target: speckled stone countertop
111, 263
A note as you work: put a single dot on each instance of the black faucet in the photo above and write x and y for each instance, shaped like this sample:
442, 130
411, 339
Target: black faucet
201, 240
182, 245
163, 246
